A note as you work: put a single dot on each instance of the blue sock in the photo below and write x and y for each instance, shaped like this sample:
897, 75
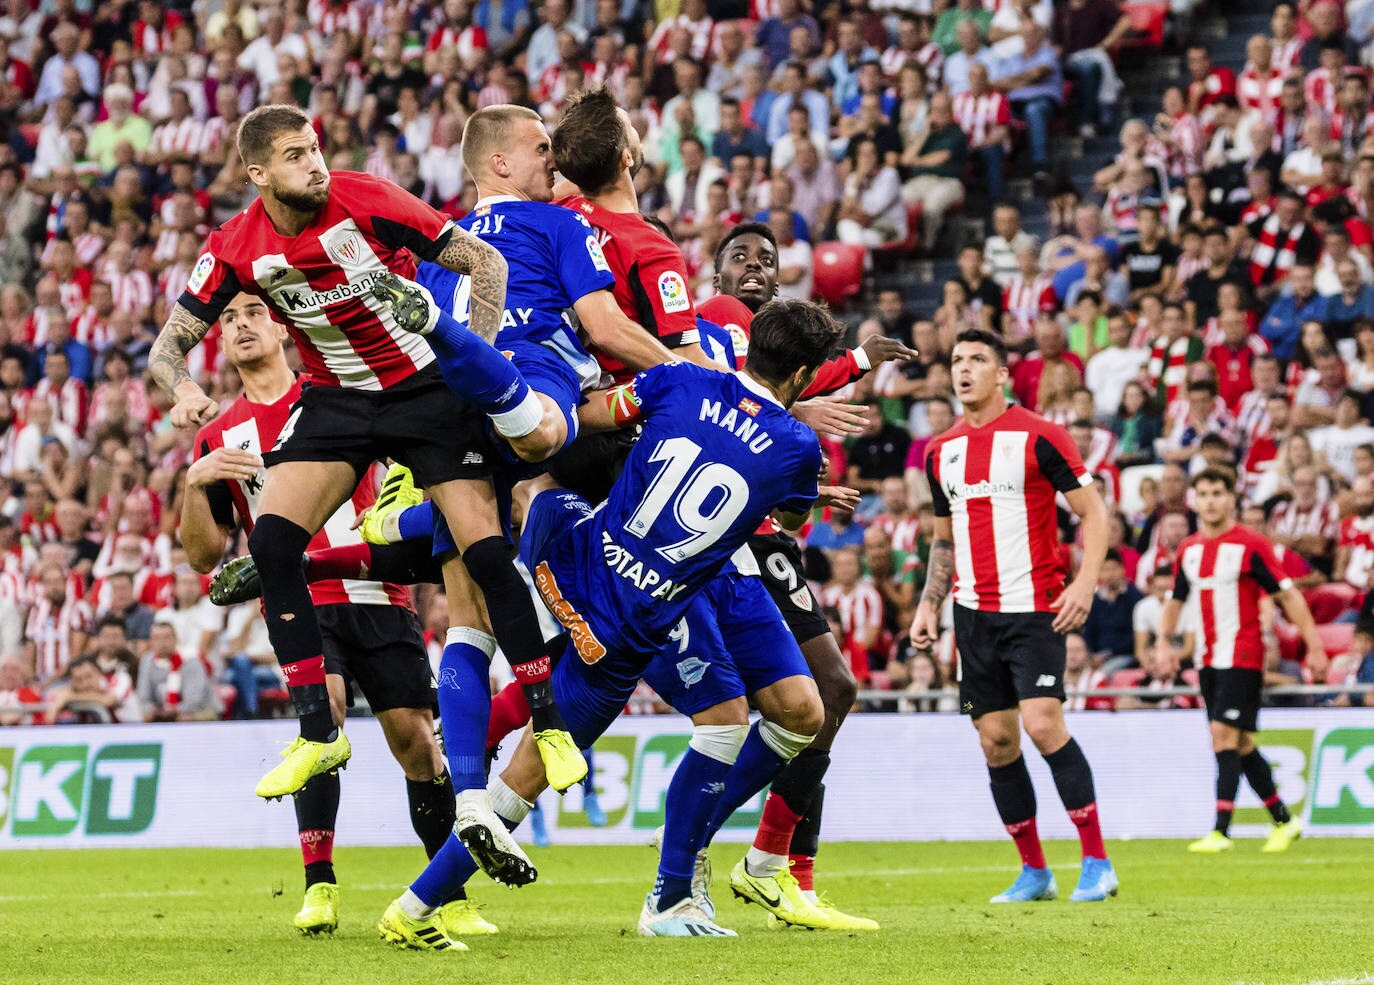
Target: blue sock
476, 371
755, 768
590, 781
693, 794
416, 522
465, 705
448, 871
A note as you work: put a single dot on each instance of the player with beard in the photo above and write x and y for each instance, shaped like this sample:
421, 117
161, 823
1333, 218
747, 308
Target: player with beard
316, 248
371, 636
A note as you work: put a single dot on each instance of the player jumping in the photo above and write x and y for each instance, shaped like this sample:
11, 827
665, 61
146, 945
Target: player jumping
370, 634
994, 477
314, 247
1222, 572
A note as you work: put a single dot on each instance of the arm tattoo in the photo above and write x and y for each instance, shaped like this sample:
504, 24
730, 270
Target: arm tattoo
941, 575
466, 254
167, 360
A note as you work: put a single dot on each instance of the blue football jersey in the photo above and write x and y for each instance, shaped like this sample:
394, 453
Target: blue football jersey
717, 454
553, 260
718, 343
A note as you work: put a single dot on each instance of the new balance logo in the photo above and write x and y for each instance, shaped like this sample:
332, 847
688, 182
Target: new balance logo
473, 458
1045, 680
1231, 714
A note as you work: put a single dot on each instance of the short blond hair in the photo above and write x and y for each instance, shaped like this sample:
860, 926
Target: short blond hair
488, 129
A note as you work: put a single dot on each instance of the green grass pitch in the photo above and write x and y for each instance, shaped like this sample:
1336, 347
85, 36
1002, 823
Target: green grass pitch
138, 917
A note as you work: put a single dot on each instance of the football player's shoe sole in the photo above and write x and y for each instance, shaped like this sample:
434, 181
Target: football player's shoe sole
237, 581
411, 306
491, 845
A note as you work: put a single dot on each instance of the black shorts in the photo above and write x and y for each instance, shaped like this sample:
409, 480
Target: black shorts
420, 423
380, 649
1232, 696
780, 567
592, 462
1005, 658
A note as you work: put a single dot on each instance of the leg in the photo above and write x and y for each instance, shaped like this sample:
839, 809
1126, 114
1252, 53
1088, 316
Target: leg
297, 499
1073, 777
1226, 747
999, 733
317, 810
410, 735
1037, 113
994, 167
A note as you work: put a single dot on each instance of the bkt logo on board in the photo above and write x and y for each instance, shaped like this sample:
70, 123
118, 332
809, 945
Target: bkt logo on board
1328, 777
49, 791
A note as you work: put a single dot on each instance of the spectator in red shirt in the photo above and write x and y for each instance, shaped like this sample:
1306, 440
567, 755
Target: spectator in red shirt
1051, 347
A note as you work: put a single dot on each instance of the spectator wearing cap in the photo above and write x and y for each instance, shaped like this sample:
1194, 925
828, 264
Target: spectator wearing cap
173, 687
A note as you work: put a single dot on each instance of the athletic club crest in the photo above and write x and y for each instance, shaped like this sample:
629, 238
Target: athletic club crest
347, 249
801, 598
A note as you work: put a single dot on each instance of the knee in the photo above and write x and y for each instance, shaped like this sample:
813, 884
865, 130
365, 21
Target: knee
838, 689
1048, 733
719, 742
801, 714
1000, 746
277, 544
413, 747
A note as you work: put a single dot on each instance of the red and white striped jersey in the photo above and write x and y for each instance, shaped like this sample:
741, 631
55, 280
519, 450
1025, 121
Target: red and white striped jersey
703, 34
1220, 580
469, 41
50, 629
1187, 146
977, 116
860, 608
1023, 301
152, 40
133, 290
1320, 91
1252, 417
1321, 519
214, 135
70, 403
90, 329
136, 400
1260, 92
998, 484
1286, 53
903, 530
75, 292
183, 138
319, 282
336, 18
1357, 535
255, 427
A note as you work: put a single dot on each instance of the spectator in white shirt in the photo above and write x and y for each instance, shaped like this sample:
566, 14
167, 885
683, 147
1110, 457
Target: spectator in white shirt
872, 212
794, 258
1108, 372
1338, 441
41, 428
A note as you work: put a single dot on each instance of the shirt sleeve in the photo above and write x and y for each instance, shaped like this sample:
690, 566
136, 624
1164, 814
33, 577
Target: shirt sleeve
221, 502
1264, 567
662, 300
213, 282
1059, 460
834, 374
400, 220
582, 267
937, 492
1181, 585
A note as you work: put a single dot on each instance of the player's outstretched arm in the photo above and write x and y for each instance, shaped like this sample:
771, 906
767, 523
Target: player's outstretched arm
167, 363
617, 335
1166, 657
1295, 608
925, 625
833, 416
464, 253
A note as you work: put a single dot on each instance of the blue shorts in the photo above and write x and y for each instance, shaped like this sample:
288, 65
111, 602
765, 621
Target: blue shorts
441, 540
731, 647
548, 373
551, 514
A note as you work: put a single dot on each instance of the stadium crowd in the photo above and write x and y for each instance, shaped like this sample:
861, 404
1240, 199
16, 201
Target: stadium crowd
1210, 298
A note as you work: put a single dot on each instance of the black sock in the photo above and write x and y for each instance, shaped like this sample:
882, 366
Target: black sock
1012, 791
515, 626
411, 562
1073, 777
317, 810
806, 837
277, 545
1228, 782
800, 780
432, 810
1261, 780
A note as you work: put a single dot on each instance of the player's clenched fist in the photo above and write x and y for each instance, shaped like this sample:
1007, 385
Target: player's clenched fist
194, 410
233, 464
925, 626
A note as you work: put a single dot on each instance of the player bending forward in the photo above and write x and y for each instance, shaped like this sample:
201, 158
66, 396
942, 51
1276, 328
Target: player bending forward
370, 634
718, 453
1222, 572
994, 477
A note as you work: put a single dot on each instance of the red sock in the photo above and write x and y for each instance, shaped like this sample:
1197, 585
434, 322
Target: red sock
350, 561
509, 711
317, 846
804, 871
775, 830
1027, 840
1089, 831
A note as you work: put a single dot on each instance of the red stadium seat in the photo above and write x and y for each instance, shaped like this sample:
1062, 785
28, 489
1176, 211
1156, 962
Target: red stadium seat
1127, 678
1328, 602
1336, 637
890, 254
1290, 641
1147, 25
837, 271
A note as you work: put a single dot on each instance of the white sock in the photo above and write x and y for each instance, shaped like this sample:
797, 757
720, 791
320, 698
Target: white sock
414, 907
391, 527
508, 804
810, 895
521, 419
764, 864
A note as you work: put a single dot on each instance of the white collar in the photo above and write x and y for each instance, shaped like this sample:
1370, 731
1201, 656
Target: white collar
754, 386
497, 200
